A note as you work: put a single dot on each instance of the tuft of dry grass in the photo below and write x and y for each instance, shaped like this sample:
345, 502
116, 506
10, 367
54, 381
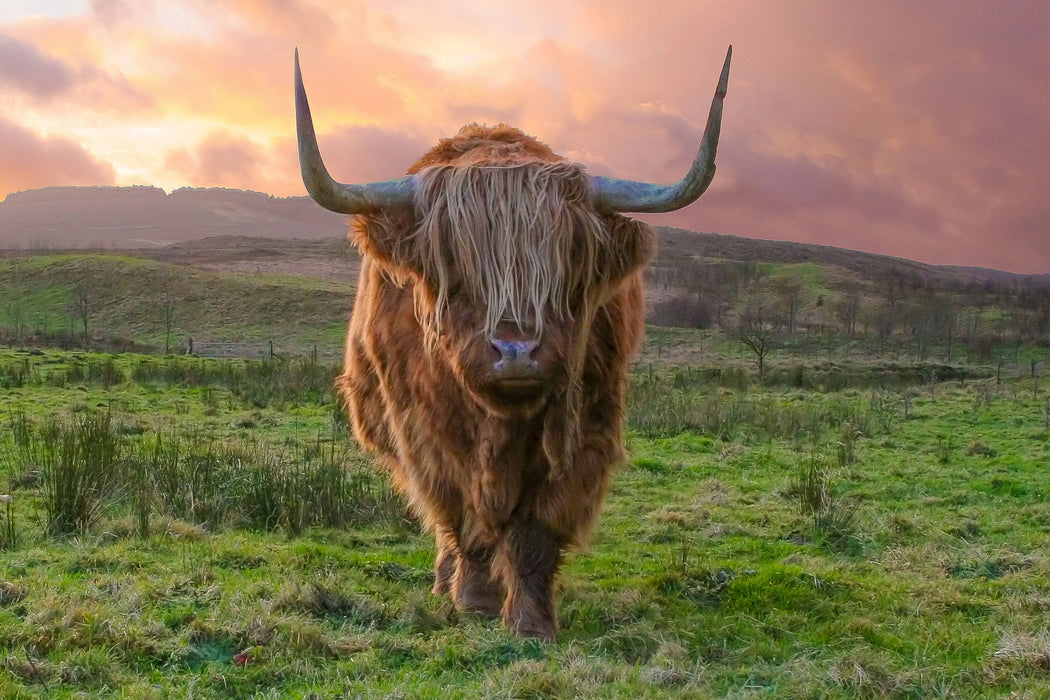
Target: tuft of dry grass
832, 517
1030, 649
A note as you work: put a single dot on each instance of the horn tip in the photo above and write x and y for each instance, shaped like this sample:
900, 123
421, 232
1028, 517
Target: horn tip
723, 80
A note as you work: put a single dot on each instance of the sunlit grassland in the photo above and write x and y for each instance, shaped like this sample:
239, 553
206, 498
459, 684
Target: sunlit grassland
126, 301
884, 537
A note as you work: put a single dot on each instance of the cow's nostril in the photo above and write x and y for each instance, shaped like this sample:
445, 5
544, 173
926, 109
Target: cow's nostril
514, 350
515, 358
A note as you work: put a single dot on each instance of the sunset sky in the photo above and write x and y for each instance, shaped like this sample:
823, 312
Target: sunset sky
915, 129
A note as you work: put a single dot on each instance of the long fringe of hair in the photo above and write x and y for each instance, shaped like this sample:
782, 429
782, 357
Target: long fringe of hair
521, 239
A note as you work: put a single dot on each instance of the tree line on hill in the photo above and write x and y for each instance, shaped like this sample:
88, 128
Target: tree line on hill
764, 305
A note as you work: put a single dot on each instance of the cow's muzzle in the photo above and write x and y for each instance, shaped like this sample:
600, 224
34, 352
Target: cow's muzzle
518, 378
515, 359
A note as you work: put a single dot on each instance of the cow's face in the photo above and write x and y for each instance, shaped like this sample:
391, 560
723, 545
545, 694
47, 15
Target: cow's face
509, 370
510, 263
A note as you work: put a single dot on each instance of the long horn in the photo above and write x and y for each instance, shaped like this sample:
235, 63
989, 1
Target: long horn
345, 199
612, 194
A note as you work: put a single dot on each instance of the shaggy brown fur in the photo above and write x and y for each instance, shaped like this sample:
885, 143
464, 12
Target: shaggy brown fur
505, 244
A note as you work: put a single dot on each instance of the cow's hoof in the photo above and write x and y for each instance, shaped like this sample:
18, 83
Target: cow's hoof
487, 606
542, 632
536, 626
478, 595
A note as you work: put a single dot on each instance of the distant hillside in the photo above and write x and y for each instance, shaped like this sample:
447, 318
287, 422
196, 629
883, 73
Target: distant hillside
46, 298
105, 218
63, 218
297, 293
231, 256
677, 245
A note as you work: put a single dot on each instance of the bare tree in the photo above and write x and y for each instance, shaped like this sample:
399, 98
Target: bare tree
167, 309
883, 319
18, 319
950, 331
790, 289
922, 332
759, 335
81, 306
847, 310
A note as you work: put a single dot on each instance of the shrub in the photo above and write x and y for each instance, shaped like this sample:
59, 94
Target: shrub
832, 518
7, 523
78, 463
216, 484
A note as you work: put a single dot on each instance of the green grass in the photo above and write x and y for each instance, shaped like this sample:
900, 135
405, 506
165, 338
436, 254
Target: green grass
919, 567
126, 298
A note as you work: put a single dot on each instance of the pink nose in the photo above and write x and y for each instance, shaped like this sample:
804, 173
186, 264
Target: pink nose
515, 356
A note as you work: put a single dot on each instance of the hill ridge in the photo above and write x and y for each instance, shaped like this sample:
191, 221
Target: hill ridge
143, 216
675, 243
147, 217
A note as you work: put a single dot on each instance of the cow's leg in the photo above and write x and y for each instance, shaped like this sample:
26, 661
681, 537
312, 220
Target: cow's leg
445, 562
474, 588
528, 561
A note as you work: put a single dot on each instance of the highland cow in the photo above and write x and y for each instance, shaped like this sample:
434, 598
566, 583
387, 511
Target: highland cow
498, 308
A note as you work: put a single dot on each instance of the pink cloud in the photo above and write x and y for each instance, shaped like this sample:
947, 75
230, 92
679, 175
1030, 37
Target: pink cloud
369, 153
25, 67
913, 132
269, 16
59, 83
221, 159
28, 160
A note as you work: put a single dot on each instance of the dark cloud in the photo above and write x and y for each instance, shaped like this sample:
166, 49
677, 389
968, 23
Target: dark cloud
46, 79
26, 68
28, 161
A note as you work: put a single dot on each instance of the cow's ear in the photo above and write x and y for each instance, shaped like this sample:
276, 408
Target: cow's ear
387, 238
633, 245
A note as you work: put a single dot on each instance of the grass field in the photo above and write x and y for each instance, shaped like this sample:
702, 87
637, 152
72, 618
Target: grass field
134, 303
860, 537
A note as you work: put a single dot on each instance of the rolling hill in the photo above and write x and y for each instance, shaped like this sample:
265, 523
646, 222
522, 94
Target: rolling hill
247, 266
143, 218
64, 218
136, 303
